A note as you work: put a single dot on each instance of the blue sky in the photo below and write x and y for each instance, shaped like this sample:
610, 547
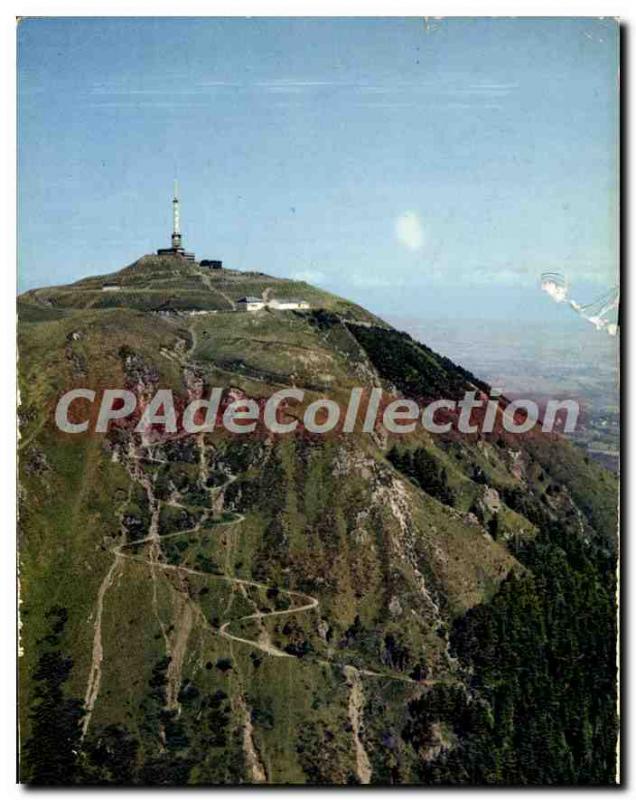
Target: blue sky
419, 168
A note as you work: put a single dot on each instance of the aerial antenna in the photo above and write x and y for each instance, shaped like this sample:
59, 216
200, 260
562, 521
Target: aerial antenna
176, 248
176, 227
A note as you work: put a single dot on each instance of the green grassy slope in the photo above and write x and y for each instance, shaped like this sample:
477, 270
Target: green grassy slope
156, 283
221, 610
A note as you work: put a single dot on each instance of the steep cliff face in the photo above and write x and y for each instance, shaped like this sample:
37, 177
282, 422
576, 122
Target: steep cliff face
362, 608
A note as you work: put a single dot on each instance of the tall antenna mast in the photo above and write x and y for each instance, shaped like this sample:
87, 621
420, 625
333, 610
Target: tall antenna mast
176, 247
176, 229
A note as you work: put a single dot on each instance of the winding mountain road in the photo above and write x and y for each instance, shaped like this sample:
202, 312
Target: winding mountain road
155, 561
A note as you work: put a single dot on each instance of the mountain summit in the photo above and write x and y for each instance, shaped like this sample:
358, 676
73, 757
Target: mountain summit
365, 608
171, 283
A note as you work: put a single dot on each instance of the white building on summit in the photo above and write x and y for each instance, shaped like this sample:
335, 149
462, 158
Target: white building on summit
287, 305
250, 303
257, 303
